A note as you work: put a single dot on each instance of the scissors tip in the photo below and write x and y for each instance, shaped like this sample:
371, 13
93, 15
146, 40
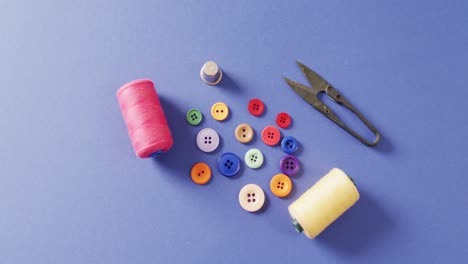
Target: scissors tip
289, 81
300, 64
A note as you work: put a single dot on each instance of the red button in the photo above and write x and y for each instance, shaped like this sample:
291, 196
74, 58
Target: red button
283, 120
271, 135
256, 107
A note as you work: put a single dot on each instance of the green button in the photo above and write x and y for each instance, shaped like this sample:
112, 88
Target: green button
254, 158
194, 117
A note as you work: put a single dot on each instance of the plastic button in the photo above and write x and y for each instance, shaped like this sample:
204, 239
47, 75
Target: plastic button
244, 133
254, 158
194, 117
290, 165
229, 164
200, 173
251, 197
280, 185
207, 140
256, 107
289, 144
219, 111
283, 120
271, 135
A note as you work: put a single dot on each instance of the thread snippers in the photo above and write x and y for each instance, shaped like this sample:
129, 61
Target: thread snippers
320, 85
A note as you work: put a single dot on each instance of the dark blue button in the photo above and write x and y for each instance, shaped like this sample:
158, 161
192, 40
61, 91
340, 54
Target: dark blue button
289, 145
229, 164
290, 165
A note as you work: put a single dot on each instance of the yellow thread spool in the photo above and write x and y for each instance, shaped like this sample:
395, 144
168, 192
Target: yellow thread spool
323, 203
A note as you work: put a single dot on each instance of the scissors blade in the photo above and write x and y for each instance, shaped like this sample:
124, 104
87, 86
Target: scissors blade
303, 91
317, 82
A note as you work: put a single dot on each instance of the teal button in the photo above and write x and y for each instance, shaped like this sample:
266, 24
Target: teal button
194, 117
254, 158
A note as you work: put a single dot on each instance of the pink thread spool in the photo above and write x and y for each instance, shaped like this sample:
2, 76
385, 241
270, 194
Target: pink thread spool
145, 119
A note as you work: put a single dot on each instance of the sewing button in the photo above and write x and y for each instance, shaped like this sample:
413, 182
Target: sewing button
200, 173
251, 197
256, 107
289, 144
244, 133
283, 120
271, 135
194, 117
219, 111
281, 185
289, 165
254, 158
211, 73
229, 164
207, 140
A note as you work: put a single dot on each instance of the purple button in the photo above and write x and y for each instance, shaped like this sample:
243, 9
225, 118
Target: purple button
290, 165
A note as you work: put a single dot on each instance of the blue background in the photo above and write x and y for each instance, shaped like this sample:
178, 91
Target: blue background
72, 190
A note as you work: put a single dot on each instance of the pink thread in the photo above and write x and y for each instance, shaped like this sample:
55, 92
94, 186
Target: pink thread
145, 119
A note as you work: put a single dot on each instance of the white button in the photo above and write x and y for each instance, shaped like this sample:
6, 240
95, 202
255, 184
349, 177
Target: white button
251, 197
207, 140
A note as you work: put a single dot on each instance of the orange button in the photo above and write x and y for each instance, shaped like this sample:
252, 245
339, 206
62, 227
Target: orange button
280, 185
200, 173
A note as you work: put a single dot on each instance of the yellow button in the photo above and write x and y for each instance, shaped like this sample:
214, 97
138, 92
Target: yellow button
280, 185
200, 173
244, 133
219, 111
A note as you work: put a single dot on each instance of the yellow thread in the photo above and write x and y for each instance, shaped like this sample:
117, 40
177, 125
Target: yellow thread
323, 203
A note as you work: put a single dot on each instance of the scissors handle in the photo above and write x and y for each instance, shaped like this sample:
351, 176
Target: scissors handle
338, 98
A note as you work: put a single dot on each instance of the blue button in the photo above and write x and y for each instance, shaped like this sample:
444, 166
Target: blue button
289, 145
229, 164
